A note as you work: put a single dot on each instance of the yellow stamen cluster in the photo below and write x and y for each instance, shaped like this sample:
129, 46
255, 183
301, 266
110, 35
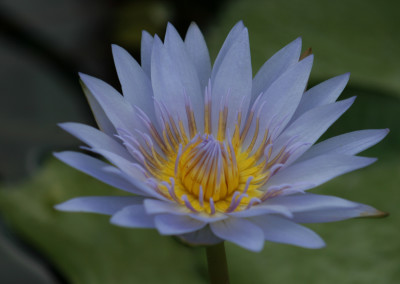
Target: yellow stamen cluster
206, 173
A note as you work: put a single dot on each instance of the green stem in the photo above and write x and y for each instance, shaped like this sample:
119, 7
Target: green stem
217, 266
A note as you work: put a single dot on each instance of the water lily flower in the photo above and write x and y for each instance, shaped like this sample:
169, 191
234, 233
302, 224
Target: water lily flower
210, 153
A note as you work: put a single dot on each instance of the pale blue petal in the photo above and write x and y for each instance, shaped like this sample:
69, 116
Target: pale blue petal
325, 93
233, 79
145, 52
229, 41
281, 99
310, 126
133, 216
318, 170
281, 230
350, 143
337, 214
186, 70
201, 237
97, 169
136, 85
95, 138
107, 205
132, 173
310, 202
168, 224
276, 66
241, 232
117, 109
98, 112
262, 209
314, 208
173, 76
154, 206
198, 52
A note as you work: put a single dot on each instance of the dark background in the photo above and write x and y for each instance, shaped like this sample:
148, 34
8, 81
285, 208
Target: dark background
44, 43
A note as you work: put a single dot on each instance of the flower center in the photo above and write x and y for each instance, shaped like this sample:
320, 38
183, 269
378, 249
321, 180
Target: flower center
207, 167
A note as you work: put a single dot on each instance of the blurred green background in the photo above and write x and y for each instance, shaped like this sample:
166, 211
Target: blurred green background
44, 43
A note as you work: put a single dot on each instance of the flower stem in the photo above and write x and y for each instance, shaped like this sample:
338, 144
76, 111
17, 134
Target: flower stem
217, 265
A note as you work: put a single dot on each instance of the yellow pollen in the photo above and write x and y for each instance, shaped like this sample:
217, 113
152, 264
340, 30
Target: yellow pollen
208, 163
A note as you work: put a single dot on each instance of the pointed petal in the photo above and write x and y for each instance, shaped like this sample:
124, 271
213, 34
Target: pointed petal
322, 94
262, 209
136, 85
350, 143
309, 202
315, 208
117, 109
198, 52
318, 170
241, 232
132, 173
97, 169
95, 138
133, 216
280, 230
154, 206
310, 126
98, 112
337, 214
282, 97
173, 76
229, 41
201, 237
145, 52
168, 224
107, 205
276, 66
233, 79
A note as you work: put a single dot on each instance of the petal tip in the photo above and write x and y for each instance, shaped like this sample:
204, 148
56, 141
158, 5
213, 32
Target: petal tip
374, 214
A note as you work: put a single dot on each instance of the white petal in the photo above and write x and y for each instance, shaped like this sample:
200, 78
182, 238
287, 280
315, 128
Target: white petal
233, 79
198, 52
96, 169
99, 114
136, 85
145, 52
318, 170
280, 230
310, 126
168, 224
133, 216
350, 143
201, 237
276, 66
241, 232
322, 94
107, 205
95, 138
